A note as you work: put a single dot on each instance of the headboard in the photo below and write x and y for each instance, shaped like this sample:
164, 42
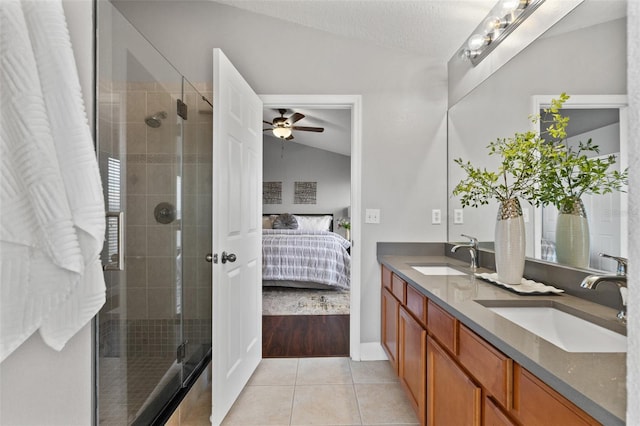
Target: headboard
311, 215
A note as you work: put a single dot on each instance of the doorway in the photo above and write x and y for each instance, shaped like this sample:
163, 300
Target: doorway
353, 104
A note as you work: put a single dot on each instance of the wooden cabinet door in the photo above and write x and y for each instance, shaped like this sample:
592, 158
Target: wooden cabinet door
493, 415
535, 403
412, 364
452, 397
390, 308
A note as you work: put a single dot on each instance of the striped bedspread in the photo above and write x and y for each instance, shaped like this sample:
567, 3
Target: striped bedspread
299, 255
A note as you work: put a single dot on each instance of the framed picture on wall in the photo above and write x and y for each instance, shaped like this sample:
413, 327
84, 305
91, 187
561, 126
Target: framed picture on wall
271, 192
305, 192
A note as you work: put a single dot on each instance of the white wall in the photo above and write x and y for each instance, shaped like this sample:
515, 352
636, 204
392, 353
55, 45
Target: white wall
39, 386
300, 163
403, 102
633, 327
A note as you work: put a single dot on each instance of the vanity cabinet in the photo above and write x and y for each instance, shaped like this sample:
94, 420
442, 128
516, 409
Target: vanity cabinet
454, 377
412, 368
390, 311
535, 403
453, 398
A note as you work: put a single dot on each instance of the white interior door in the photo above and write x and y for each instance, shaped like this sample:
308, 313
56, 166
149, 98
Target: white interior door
237, 230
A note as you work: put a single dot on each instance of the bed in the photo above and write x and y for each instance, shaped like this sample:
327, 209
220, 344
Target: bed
306, 281
301, 251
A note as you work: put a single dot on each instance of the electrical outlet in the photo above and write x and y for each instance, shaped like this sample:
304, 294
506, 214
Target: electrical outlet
458, 216
436, 217
372, 216
525, 215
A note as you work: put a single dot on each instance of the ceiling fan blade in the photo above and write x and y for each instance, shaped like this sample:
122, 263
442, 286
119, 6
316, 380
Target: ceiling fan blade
295, 117
308, 129
267, 122
264, 130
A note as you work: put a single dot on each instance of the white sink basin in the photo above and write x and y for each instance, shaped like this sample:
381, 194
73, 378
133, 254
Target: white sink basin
564, 330
437, 270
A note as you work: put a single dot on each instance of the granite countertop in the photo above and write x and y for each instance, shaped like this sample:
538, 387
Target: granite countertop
595, 382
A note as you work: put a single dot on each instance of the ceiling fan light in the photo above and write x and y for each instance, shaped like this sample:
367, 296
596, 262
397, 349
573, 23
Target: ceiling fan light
282, 132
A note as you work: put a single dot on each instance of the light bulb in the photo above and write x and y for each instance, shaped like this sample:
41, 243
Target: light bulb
476, 41
282, 132
509, 6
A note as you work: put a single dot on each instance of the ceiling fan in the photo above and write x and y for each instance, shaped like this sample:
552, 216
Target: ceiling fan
283, 126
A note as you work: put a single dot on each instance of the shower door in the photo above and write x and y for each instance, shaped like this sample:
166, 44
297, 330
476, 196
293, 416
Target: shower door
150, 331
196, 225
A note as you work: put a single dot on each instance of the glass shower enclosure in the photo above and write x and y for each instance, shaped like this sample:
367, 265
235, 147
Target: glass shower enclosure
154, 149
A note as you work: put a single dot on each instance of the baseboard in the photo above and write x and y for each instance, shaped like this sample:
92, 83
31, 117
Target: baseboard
372, 352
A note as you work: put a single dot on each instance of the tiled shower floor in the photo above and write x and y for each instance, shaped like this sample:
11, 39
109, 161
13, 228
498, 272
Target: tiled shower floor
125, 384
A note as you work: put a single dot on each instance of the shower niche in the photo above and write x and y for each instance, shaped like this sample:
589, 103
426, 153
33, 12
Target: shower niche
154, 331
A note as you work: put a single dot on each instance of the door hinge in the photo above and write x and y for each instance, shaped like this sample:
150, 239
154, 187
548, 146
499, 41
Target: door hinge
181, 352
182, 109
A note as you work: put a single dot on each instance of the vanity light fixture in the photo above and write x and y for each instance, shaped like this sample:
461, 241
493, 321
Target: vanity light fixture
282, 132
501, 20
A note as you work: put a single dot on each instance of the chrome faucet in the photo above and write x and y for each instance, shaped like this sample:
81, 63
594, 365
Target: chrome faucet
620, 279
472, 245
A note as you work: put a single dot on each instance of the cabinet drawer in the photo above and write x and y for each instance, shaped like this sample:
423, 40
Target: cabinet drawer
417, 304
442, 326
398, 287
535, 403
386, 277
490, 367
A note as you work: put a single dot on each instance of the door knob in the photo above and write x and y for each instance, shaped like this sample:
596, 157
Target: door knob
211, 258
228, 257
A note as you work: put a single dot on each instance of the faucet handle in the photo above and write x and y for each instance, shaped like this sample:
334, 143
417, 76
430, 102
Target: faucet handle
474, 240
622, 263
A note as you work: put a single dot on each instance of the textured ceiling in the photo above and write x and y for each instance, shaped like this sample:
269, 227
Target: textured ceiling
428, 27
434, 28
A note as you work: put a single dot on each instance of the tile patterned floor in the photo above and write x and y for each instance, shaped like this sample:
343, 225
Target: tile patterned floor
316, 391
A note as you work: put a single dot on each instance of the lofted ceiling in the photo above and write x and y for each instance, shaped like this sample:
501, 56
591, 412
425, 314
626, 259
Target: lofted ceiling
433, 28
336, 123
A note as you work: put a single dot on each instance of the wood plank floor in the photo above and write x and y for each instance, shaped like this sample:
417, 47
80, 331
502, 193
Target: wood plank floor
299, 336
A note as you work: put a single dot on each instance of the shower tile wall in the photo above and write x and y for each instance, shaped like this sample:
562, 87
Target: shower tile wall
140, 324
142, 313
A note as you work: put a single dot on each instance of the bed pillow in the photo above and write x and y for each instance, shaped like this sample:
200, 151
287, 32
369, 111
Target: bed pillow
267, 221
285, 221
314, 223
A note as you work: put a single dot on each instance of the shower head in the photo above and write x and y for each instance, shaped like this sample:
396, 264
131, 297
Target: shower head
154, 120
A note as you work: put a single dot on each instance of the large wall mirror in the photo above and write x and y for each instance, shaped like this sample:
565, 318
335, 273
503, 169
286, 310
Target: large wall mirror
584, 55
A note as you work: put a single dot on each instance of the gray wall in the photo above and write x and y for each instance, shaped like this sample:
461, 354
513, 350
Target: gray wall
404, 100
633, 327
300, 163
39, 386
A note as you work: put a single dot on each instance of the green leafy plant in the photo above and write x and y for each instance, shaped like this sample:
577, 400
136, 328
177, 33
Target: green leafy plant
567, 173
344, 222
516, 176
541, 171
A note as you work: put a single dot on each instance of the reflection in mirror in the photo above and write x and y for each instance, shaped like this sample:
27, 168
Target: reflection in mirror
600, 119
584, 53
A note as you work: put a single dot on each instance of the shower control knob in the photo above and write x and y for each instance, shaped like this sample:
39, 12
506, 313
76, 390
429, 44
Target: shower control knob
228, 257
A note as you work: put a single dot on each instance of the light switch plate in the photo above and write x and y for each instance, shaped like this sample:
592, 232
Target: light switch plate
372, 216
436, 217
458, 216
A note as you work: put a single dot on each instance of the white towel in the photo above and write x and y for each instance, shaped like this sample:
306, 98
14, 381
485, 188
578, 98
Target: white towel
52, 217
